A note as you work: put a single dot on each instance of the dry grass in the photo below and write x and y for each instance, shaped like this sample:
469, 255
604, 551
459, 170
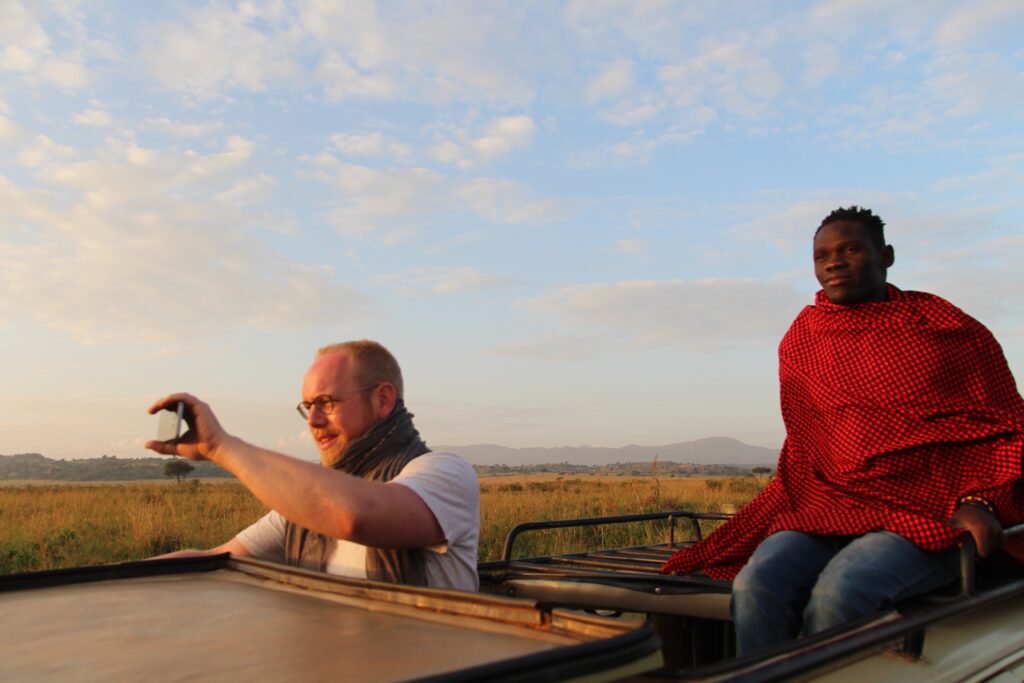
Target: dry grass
507, 501
48, 526
53, 526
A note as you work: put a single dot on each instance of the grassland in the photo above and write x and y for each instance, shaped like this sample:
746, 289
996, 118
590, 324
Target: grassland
47, 526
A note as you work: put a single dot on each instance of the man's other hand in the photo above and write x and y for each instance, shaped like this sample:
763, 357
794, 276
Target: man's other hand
982, 525
204, 433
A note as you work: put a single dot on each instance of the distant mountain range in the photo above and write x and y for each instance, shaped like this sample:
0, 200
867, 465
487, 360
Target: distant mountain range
705, 456
712, 451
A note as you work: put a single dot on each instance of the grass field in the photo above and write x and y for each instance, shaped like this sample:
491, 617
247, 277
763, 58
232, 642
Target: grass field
48, 526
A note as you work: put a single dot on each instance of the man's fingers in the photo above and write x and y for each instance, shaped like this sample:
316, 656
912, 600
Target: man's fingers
980, 542
161, 447
993, 541
170, 400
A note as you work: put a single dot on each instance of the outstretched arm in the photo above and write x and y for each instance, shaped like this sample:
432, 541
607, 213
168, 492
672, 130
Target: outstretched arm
233, 546
383, 515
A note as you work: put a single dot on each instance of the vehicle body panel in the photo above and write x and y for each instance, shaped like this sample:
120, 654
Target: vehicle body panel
228, 619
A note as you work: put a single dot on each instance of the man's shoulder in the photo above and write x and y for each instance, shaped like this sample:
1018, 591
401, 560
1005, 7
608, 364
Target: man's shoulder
442, 463
908, 310
939, 312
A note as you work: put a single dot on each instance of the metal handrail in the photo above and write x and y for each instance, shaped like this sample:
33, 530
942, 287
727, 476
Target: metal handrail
968, 551
693, 517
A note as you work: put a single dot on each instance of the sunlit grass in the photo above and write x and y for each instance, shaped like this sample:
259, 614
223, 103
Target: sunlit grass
48, 526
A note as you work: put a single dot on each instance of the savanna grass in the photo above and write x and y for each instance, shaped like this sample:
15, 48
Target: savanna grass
55, 526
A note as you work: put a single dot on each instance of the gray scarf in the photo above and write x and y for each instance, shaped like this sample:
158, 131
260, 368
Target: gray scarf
380, 454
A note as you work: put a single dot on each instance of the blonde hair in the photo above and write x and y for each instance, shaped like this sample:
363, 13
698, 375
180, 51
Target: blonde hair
373, 363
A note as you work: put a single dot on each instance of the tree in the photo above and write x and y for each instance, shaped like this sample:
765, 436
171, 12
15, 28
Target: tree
177, 469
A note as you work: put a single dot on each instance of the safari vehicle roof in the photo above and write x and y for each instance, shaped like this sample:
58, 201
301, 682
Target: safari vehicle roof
976, 635
234, 619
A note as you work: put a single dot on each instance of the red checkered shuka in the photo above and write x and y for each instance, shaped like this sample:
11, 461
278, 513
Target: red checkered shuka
893, 411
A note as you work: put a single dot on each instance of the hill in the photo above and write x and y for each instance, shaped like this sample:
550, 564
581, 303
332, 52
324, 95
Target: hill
712, 451
105, 468
702, 457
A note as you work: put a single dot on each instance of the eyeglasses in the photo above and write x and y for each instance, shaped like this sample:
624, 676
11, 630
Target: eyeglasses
325, 403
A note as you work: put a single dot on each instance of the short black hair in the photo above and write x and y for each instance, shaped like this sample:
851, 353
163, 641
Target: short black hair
855, 214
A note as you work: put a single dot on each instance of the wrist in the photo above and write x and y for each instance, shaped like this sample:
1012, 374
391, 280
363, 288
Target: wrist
979, 502
221, 449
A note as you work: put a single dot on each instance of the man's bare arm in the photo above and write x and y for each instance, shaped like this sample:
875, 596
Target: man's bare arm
233, 546
386, 515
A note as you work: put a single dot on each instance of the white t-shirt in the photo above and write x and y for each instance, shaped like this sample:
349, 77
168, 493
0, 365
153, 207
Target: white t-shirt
447, 484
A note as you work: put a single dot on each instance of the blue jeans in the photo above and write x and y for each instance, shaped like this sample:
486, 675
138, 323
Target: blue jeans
804, 583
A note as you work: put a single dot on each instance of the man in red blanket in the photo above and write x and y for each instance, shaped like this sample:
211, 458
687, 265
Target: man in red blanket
904, 430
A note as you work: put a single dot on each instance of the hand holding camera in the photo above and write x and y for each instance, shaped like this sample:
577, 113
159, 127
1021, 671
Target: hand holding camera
178, 411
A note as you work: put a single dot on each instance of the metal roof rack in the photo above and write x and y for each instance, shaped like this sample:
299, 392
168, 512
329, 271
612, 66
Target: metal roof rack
628, 579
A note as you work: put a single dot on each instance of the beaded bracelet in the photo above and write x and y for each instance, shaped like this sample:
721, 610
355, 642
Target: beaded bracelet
978, 502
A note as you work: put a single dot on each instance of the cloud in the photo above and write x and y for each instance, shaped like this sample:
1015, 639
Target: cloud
342, 80
628, 247
634, 149
443, 280
789, 222
145, 244
217, 48
295, 441
727, 74
866, 73
701, 314
630, 113
963, 86
65, 73
503, 135
982, 279
391, 203
29, 51
1006, 170
182, 129
373, 198
92, 117
374, 144
626, 152
652, 28
15, 58
500, 137
558, 348
505, 201
247, 190
437, 54
353, 51
9, 130
42, 150
980, 23
614, 81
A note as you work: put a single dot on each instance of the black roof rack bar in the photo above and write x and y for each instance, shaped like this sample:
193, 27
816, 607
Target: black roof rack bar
671, 517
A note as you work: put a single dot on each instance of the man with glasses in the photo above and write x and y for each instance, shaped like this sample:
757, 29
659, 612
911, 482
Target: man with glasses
380, 505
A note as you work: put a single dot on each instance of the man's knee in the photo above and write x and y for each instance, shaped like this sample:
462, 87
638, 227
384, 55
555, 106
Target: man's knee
776, 572
839, 593
852, 585
749, 580
760, 583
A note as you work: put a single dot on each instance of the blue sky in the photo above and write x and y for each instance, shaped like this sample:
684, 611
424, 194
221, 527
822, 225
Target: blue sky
573, 223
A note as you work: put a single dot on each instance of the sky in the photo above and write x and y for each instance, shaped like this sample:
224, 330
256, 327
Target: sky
572, 222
